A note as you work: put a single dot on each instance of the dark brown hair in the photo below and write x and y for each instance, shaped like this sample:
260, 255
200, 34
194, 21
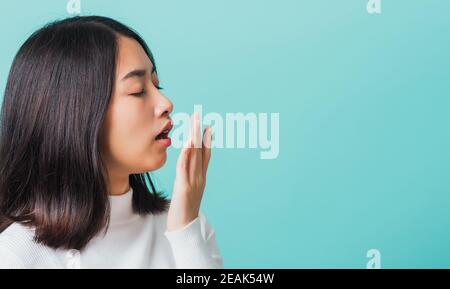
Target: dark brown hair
51, 172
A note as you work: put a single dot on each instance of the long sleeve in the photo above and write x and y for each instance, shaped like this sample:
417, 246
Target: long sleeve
194, 246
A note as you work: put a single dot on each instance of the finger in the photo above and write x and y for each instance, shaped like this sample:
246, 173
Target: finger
188, 143
207, 140
196, 130
185, 155
184, 158
195, 163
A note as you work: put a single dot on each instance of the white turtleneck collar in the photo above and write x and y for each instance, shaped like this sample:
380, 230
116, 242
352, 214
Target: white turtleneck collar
121, 207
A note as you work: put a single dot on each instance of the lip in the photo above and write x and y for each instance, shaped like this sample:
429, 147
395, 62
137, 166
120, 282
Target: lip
166, 141
168, 127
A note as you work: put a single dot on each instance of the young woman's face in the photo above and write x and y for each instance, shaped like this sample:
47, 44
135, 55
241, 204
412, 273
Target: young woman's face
137, 113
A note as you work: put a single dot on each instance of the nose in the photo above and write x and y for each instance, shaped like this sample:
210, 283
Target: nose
164, 106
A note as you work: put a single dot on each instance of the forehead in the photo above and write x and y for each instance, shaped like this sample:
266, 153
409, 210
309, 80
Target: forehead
131, 56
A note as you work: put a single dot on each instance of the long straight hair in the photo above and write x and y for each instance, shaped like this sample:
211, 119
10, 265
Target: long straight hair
52, 176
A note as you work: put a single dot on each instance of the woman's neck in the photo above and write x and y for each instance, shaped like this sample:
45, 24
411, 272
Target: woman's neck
118, 184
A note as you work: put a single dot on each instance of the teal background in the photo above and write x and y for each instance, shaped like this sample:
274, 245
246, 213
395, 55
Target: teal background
363, 102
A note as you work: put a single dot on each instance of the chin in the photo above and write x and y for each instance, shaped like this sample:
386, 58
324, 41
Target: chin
157, 161
152, 165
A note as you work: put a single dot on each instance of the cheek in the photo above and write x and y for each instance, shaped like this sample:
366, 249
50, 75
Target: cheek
129, 136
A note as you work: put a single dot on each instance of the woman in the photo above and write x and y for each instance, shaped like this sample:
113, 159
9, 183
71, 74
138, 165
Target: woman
83, 121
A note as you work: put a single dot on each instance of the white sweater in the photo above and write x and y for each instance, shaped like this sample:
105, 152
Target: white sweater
131, 241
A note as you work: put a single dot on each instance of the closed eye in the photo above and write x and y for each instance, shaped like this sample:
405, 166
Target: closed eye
141, 93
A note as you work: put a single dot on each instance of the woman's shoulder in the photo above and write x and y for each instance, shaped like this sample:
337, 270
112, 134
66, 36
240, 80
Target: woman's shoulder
19, 250
13, 243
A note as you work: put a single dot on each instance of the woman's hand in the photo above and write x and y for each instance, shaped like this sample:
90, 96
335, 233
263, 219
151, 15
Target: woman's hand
190, 177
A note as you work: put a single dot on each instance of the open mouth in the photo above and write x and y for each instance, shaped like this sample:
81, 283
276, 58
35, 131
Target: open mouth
165, 133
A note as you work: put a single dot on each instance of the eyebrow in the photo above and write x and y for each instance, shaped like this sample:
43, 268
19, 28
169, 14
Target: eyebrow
137, 73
